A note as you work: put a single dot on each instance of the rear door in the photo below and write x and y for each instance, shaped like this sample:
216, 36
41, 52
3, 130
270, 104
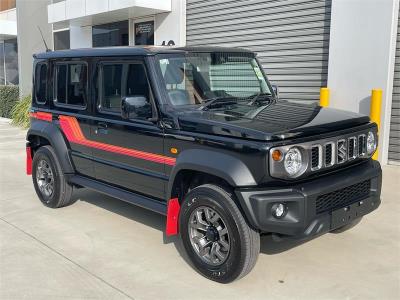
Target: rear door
126, 153
70, 102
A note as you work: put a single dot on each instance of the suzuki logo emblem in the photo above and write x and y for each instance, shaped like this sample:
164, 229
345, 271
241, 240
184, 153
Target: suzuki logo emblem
342, 151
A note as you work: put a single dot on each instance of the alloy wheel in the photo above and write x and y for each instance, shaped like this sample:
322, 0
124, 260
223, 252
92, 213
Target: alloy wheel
209, 235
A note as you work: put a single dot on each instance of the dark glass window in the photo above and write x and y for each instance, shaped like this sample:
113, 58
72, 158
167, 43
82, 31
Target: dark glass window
11, 61
111, 34
61, 40
144, 33
41, 83
122, 80
112, 87
71, 84
2, 71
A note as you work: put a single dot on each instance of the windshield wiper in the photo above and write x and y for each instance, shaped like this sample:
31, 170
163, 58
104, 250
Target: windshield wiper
217, 100
262, 97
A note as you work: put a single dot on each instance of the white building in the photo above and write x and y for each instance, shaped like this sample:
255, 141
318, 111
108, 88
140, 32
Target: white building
347, 45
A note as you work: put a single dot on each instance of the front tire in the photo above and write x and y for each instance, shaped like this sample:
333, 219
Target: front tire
49, 181
217, 239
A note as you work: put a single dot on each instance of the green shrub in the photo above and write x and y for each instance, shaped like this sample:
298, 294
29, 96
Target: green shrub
20, 112
9, 95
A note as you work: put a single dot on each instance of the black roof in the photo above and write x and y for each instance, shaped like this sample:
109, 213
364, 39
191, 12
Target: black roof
131, 50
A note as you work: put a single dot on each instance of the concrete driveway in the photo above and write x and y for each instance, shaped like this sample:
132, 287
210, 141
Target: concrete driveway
101, 248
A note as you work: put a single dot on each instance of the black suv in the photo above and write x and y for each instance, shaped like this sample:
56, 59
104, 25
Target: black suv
201, 136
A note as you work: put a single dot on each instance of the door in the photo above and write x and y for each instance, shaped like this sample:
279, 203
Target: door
127, 152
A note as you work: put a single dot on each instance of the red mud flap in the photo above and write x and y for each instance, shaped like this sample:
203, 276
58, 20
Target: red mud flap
172, 217
28, 160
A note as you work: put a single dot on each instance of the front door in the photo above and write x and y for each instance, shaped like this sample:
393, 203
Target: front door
127, 152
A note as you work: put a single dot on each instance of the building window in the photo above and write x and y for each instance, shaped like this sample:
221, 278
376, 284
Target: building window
41, 83
71, 84
9, 58
111, 34
2, 69
144, 33
61, 40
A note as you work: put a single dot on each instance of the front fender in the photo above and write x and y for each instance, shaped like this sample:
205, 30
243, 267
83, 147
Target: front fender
222, 165
52, 133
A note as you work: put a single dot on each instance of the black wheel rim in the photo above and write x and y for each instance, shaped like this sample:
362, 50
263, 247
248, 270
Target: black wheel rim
209, 236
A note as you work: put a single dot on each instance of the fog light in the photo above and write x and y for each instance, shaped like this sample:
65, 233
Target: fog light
278, 210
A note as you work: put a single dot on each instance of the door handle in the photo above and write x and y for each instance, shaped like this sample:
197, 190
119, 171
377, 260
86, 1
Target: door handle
101, 128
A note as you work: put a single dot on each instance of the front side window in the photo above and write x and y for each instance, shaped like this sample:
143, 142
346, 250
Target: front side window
71, 84
122, 80
196, 78
41, 83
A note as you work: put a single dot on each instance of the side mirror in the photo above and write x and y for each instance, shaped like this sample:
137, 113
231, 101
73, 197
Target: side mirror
276, 90
136, 107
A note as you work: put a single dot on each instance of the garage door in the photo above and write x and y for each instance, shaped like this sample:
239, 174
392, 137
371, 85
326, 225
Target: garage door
394, 138
290, 36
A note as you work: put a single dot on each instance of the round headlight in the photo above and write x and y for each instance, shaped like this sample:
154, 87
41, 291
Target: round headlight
293, 161
371, 143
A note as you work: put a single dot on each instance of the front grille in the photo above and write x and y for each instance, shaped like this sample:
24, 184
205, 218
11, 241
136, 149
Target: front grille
343, 197
337, 151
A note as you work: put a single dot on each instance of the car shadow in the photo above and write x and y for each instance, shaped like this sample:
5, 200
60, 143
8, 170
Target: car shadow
269, 244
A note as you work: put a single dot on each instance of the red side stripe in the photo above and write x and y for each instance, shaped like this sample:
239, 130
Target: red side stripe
73, 132
40, 115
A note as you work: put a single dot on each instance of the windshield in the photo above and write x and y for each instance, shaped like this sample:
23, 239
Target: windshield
197, 78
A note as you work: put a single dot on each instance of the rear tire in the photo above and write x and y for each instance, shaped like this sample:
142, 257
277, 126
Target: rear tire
217, 239
49, 181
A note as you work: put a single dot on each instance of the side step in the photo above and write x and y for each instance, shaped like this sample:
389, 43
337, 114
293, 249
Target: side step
133, 198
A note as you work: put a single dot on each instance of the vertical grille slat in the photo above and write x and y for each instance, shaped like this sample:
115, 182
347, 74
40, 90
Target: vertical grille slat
352, 142
316, 157
329, 158
341, 156
362, 145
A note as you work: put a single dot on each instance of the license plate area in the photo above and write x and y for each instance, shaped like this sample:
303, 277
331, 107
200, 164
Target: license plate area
351, 212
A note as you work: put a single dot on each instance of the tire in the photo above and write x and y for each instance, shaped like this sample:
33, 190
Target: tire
57, 194
347, 227
238, 245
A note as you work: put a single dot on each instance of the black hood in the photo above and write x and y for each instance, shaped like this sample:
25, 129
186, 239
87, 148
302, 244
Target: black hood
278, 121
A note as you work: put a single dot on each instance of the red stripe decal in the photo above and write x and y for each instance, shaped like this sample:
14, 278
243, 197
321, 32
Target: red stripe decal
41, 116
172, 217
73, 132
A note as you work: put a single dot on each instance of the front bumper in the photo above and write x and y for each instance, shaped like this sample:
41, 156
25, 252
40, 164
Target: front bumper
307, 214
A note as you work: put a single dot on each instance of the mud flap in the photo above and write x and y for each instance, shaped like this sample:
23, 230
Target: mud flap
172, 217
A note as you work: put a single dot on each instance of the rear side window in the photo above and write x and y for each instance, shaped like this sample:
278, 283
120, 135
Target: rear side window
122, 80
71, 84
41, 83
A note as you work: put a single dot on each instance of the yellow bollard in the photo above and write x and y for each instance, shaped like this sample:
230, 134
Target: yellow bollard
324, 97
375, 111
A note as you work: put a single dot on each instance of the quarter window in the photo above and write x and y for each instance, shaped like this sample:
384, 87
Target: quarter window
121, 80
71, 84
41, 83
